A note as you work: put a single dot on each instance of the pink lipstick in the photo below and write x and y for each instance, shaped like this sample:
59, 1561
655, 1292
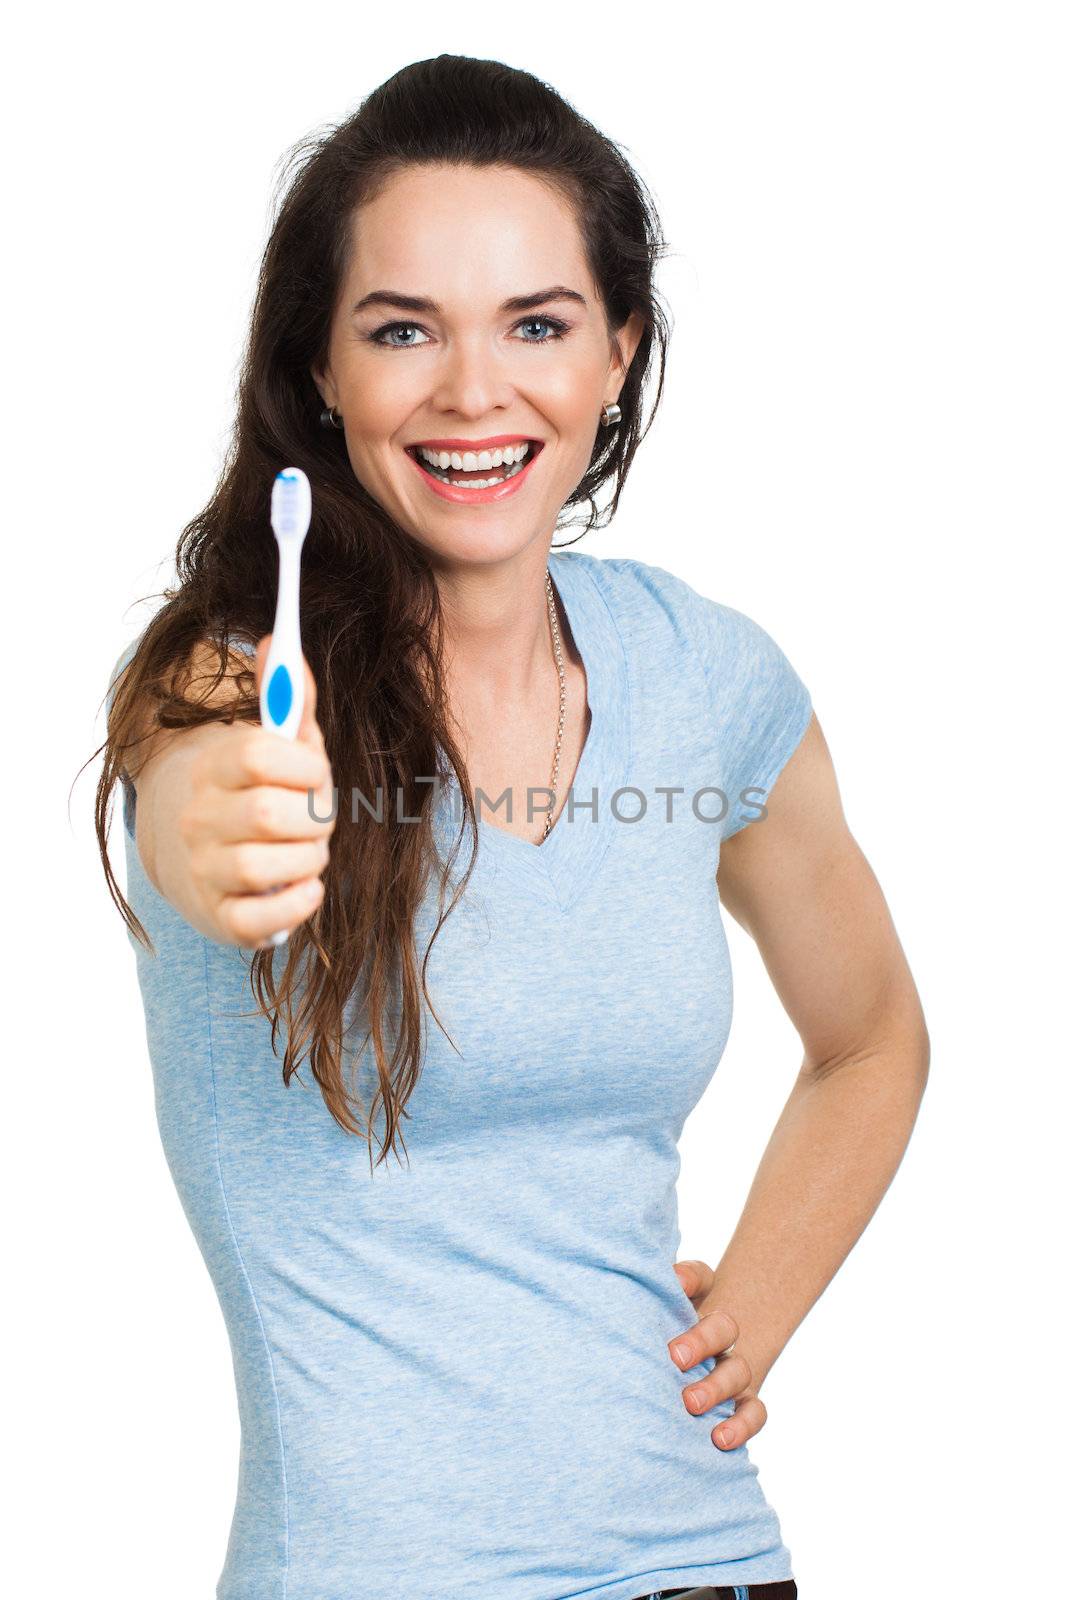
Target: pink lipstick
456, 492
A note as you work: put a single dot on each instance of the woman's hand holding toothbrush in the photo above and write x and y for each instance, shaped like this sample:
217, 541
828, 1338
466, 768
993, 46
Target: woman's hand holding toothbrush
234, 822
238, 811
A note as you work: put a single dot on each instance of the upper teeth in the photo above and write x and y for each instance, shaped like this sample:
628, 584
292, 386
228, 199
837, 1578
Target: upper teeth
474, 460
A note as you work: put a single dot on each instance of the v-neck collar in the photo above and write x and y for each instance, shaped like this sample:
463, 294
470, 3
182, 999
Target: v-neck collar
561, 867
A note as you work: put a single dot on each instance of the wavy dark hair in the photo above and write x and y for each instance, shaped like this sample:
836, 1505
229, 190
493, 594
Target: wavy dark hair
371, 622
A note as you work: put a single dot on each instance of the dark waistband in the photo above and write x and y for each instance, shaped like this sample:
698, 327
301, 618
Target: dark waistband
781, 1589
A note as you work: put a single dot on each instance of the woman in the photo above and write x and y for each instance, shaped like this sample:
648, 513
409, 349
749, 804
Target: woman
463, 1373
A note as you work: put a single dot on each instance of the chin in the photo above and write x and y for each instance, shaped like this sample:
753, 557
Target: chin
476, 546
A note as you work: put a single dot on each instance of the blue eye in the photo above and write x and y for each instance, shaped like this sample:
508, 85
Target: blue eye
378, 336
559, 330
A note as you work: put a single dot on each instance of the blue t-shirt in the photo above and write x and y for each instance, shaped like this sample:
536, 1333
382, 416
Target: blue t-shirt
453, 1375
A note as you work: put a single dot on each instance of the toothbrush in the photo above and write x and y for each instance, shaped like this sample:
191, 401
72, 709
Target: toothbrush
281, 694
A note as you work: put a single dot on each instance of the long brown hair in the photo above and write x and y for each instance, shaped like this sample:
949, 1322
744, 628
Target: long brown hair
371, 623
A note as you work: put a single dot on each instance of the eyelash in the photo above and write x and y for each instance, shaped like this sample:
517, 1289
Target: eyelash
561, 331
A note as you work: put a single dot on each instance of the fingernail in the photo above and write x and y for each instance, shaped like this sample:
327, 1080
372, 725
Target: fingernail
726, 1436
683, 1353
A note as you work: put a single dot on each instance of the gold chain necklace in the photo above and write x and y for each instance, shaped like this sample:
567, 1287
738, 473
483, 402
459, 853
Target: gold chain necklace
554, 624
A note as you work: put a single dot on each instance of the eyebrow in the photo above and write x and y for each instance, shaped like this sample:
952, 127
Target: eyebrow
412, 302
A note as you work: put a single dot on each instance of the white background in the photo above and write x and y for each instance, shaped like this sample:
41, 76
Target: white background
861, 446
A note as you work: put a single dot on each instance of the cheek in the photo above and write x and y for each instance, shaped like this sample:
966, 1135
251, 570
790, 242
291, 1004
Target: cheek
570, 397
571, 388
378, 397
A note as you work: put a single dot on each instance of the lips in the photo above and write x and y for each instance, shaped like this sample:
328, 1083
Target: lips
497, 442
460, 494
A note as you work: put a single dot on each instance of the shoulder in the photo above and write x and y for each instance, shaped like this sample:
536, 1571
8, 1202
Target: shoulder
201, 676
642, 593
713, 662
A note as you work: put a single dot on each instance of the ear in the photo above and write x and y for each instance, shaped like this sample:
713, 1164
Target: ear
324, 385
624, 346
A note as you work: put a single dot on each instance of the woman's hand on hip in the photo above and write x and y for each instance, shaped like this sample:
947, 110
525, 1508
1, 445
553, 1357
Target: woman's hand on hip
715, 1334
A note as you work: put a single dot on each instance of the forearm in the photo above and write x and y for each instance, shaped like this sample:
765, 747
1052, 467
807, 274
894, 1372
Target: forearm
829, 1161
164, 786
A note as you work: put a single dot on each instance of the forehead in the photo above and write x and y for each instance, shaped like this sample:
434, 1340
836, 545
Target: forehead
466, 235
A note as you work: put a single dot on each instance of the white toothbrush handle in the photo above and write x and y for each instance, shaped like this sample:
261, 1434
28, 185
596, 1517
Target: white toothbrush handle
281, 694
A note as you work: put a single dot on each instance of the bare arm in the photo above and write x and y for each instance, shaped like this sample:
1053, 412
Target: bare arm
799, 884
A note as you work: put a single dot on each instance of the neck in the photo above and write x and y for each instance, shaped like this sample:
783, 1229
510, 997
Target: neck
499, 652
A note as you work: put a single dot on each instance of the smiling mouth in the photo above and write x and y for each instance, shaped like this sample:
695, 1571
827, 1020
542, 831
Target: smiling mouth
477, 477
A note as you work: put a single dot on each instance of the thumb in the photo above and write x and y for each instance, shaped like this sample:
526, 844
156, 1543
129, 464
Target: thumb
309, 731
695, 1277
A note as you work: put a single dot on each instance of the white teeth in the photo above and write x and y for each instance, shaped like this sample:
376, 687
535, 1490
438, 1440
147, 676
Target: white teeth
473, 461
475, 483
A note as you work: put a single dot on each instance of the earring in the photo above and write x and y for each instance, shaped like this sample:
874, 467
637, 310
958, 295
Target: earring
331, 418
610, 415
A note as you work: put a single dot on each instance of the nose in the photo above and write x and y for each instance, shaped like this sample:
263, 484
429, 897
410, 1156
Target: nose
474, 381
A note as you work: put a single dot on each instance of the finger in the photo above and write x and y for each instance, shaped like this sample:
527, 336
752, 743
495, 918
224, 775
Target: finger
270, 815
732, 1376
250, 867
749, 1416
260, 757
251, 919
696, 1277
266, 814
716, 1331
262, 652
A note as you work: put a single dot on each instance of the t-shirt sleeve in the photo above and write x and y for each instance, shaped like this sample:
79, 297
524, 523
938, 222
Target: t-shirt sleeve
129, 793
760, 706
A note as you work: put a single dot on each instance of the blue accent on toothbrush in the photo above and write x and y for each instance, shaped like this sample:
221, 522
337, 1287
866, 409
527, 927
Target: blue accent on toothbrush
279, 695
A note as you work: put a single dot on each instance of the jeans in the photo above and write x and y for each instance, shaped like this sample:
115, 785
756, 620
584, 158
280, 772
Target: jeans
784, 1589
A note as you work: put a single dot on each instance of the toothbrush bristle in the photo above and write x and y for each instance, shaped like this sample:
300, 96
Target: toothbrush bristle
290, 503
